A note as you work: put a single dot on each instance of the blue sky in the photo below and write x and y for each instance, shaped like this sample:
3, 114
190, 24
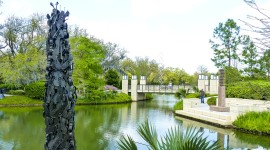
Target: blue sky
173, 32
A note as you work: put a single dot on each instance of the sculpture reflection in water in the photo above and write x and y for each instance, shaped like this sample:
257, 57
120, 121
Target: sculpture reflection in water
59, 100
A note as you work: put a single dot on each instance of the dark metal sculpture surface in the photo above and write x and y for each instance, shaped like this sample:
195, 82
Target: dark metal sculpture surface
59, 100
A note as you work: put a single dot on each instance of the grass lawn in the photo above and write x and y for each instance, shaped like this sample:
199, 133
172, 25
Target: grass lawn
19, 100
119, 98
25, 101
254, 122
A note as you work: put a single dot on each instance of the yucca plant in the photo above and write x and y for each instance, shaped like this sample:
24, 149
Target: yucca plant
174, 139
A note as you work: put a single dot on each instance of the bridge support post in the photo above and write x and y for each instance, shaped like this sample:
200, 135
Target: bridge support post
135, 96
125, 84
214, 84
203, 83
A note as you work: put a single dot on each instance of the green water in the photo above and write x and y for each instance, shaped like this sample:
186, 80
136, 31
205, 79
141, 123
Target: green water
100, 126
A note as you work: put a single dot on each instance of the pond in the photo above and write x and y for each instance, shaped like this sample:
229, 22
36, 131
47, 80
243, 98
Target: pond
101, 126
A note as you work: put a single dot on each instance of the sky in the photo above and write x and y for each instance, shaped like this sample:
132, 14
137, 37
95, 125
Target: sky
175, 33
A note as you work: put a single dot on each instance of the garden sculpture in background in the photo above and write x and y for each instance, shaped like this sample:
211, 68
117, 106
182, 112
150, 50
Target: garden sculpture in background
60, 94
221, 94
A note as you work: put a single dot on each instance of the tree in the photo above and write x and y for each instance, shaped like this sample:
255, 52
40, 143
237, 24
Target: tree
88, 55
17, 34
250, 58
202, 69
225, 48
112, 78
232, 75
261, 28
142, 67
24, 68
265, 64
113, 57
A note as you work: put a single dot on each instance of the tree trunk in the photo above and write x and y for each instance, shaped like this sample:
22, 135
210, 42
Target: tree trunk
59, 100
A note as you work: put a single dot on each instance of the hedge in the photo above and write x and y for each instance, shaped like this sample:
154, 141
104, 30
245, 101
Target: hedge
35, 90
10, 86
257, 89
212, 101
16, 92
254, 122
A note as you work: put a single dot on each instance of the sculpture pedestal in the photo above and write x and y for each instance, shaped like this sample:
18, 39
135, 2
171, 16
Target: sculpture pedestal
219, 108
221, 95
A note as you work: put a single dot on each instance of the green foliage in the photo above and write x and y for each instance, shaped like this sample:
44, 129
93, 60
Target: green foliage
181, 93
16, 92
142, 67
23, 68
212, 101
105, 97
10, 86
149, 96
228, 39
252, 139
195, 89
174, 139
19, 100
193, 95
250, 59
112, 78
232, 75
88, 54
254, 122
35, 90
178, 105
256, 89
176, 76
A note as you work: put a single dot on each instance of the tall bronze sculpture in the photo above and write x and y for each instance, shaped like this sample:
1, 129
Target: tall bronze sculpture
60, 94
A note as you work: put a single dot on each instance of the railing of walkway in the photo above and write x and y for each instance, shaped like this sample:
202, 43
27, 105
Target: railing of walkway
162, 88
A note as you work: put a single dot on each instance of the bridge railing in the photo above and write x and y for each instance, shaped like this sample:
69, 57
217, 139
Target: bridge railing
162, 88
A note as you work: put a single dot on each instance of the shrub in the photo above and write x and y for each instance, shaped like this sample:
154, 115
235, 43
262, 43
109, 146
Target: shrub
181, 93
195, 89
254, 121
256, 89
16, 92
35, 90
193, 95
178, 105
149, 96
10, 86
212, 101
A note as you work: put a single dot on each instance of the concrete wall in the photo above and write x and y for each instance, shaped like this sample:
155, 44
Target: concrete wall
125, 84
143, 80
135, 96
213, 84
203, 83
239, 106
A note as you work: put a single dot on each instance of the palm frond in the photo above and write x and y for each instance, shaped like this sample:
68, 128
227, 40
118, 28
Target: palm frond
126, 143
149, 134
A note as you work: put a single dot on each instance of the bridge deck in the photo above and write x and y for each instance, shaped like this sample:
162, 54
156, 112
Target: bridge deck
162, 88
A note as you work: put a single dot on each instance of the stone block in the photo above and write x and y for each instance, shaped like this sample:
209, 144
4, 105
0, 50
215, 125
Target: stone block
219, 109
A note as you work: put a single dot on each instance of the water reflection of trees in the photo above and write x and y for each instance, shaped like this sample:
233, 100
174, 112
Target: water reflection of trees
263, 141
97, 126
23, 128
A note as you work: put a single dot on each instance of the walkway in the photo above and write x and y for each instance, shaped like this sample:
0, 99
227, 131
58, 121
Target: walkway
193, 109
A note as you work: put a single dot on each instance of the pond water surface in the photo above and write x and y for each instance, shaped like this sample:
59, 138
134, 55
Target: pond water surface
99, 127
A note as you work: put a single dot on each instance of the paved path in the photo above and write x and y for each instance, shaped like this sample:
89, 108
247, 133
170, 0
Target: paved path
198, 111
195, 110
